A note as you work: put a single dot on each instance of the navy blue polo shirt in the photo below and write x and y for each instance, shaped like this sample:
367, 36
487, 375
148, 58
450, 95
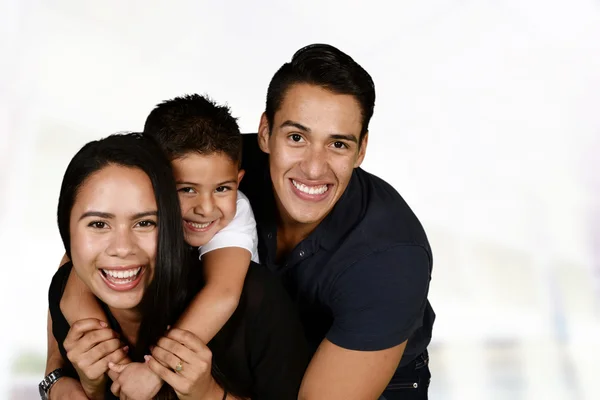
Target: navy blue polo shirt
361, 278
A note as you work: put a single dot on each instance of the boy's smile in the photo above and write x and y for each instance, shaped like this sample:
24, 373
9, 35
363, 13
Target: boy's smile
207, 187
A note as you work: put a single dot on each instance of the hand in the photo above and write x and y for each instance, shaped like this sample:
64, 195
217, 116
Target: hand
67, 388
136, 381
194, 380
90, 346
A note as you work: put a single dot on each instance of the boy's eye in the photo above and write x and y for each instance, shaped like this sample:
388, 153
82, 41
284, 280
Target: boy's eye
97, 224
222, 189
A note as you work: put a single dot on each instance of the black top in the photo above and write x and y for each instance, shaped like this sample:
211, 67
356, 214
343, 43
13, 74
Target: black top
361, 278
260, 350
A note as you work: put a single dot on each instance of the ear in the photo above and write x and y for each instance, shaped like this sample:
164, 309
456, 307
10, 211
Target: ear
264, 133
240, 175
362, 150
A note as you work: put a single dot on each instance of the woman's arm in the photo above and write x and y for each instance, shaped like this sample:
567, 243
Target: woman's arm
66, 387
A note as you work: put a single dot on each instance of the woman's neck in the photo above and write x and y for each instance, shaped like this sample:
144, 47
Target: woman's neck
129, 321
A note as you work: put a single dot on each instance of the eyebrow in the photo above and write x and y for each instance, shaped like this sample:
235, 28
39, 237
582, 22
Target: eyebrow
199, 184
100, 214
295, 125
337, 136
350, 138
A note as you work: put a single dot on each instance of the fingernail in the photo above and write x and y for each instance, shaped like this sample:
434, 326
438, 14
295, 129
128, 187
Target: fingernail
147, 358
125, 348
103, 324
168, 327
111, 364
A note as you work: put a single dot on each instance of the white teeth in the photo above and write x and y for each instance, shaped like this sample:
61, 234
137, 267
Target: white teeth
122, 274
200, 226
310, 189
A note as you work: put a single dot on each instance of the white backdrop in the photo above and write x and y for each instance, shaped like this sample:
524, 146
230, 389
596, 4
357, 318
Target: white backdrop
485, 121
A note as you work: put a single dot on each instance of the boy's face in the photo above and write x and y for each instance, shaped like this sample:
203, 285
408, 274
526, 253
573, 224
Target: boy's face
207, 187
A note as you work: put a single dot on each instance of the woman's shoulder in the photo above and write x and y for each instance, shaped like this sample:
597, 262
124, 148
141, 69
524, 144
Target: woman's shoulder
58, 283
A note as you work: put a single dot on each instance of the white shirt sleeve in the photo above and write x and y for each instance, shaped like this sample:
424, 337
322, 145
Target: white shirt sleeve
240, 232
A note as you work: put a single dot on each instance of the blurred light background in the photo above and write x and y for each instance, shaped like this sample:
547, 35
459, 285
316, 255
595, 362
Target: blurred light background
487, 121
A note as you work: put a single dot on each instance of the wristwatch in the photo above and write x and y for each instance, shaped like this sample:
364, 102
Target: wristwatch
48, 381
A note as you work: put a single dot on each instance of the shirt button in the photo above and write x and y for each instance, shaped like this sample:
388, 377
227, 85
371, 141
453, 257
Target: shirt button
270, 235
301, 254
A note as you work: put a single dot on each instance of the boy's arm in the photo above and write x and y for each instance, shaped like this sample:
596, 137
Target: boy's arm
78, 302
225, 271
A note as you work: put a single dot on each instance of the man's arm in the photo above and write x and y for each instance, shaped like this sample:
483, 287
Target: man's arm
376, 306
338, 373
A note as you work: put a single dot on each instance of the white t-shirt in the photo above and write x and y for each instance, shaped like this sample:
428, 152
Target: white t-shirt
240, 232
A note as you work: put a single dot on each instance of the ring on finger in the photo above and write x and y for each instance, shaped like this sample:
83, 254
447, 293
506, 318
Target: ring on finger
179, 366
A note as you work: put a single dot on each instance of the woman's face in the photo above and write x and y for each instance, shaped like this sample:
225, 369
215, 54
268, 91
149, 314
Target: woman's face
114, 234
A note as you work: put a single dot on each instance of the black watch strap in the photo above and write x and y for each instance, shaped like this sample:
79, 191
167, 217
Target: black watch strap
48, 381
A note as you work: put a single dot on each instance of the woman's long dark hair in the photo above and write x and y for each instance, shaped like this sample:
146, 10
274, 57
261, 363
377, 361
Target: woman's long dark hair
165, 298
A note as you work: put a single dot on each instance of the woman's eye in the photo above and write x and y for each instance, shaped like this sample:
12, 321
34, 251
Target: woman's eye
97, 224
186, 190
146, 224
222, 189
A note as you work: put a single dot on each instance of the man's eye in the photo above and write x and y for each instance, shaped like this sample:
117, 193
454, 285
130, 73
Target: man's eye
339, 145
295, 137
97, 224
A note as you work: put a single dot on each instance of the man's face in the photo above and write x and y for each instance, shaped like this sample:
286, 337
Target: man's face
207, 187
313, 147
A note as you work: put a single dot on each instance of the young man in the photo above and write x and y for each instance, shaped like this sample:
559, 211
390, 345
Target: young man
349, 249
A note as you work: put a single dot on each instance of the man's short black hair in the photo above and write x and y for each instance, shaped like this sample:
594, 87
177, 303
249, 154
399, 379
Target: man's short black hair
328, 67
194, 123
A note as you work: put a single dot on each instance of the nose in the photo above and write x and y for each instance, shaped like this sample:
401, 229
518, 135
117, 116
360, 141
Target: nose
205, 206
314, 165
122, 243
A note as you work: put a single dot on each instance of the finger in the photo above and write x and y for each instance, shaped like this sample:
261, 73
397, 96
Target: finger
115, 388
116, 358
165, 357
175, 347
189, 340
92, 338
103, 349
118, 368
100, 367
79, 328
176, 381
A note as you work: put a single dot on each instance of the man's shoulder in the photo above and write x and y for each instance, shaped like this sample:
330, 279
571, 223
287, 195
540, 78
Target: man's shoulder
387, 219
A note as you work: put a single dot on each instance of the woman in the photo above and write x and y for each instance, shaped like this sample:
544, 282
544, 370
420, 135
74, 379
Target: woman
120, 223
